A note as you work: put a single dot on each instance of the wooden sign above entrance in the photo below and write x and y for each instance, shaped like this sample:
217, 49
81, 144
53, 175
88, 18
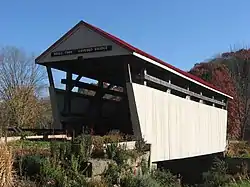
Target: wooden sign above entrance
82, 50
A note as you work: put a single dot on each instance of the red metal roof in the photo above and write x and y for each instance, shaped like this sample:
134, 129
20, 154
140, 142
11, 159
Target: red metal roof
132, 49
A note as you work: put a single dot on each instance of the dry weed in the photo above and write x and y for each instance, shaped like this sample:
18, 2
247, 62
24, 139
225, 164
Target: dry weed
6, 166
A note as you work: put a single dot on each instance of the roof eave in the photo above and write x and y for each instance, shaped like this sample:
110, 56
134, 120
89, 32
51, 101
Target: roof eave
136, 52
179, 74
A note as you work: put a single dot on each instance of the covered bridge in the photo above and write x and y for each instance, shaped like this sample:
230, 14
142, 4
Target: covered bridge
177, 113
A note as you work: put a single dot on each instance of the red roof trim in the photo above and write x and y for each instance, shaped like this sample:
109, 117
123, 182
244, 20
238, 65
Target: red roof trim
130, 48
134, 49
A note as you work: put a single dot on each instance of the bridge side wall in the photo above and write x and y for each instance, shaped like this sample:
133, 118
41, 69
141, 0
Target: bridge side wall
176, 127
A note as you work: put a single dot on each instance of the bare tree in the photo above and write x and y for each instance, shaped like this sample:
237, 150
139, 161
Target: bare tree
19, 70
242, 75
21, 83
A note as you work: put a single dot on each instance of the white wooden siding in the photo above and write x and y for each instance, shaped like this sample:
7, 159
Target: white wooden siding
177, 127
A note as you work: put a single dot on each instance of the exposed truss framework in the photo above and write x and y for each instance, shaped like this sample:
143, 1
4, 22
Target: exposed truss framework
182, 90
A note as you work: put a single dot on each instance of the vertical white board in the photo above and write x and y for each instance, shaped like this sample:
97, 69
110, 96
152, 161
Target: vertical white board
177, 127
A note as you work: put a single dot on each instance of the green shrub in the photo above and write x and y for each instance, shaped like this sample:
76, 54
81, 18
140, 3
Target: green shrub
165, 178
217, 176
61, 152
72, 156
147, 181
113, 137
29, 144
111, 150
132, 154
112, 174
129, 181
82, 146
51, 174
97, 183
240, 184
141, 146
144, 167
142, 181
55, 151
60, 175
75, 164
65, 150
31, 164
121, 155
78, 181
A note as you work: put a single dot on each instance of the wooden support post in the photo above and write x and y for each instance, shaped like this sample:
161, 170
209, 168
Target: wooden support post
99, 102
201, 101
95, 107
145, 74
188, 96
67, 99
77, 80
213, 98
129, 74
223, 102
169, 90
50, 76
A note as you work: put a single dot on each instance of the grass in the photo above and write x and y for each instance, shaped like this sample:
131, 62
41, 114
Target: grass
6, 166
28, 147
241, 184
29, 144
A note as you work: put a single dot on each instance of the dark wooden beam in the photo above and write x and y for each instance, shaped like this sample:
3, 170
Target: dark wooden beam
145, 74
182, 90
126, 74
50, 76
129, 74
97, 103
67, 100
93, 87
77, 79
223, 107
110, 86
89, 97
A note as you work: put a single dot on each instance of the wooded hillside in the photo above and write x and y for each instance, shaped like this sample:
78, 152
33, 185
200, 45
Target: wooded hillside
231, 72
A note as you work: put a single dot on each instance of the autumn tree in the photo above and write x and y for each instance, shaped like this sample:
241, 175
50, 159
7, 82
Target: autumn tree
219, 75
21, 83
238, 62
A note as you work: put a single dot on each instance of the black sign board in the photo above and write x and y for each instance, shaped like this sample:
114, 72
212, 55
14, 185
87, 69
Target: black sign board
82, 50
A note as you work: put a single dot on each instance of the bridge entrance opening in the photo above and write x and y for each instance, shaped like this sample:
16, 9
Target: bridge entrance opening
99, 104
96, 72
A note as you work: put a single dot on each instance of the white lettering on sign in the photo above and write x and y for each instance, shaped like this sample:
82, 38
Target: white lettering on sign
82, 50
